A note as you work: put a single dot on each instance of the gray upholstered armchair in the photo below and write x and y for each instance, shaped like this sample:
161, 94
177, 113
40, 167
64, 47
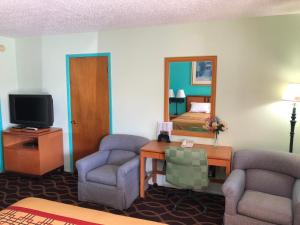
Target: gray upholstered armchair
263, 189
111, 175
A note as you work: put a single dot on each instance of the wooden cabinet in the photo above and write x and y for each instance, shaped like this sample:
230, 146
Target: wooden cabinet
34, 152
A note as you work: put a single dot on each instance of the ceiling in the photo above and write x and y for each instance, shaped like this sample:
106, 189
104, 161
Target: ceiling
41, 17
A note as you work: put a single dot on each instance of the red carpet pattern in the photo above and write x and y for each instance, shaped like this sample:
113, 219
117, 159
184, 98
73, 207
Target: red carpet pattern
62, 187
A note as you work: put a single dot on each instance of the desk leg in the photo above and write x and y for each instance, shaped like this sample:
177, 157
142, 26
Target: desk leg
142, 176
228, 168
154, 171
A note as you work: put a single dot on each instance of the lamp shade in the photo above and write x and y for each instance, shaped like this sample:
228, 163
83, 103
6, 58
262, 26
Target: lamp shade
171, 93
292, 93
180, 94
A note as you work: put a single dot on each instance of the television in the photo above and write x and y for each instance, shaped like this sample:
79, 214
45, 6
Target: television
31, 110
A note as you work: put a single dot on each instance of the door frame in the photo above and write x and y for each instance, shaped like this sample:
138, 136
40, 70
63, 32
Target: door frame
69, 100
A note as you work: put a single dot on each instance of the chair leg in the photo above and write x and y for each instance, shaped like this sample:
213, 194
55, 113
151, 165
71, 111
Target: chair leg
179, 202
192, 196
195, 198
202, 205
168, 194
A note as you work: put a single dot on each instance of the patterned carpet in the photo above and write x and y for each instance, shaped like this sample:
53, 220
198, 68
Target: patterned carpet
62, 187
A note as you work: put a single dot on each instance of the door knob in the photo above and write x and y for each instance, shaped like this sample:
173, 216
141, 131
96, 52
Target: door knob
73, 122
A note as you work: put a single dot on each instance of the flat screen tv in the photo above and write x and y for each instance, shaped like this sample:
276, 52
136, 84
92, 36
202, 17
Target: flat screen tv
31, 110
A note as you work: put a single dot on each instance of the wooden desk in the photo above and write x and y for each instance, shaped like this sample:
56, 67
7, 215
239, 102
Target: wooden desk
217, 156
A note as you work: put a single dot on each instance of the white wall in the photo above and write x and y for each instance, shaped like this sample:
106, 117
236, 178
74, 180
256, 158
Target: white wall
29, 64
41, 66
54, 51
8, 76
256, 59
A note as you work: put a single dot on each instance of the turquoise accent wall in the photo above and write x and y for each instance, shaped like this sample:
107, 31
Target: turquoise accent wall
1, 143
68, 57
181, 78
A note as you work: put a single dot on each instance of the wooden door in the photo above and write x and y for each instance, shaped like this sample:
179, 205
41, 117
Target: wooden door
90, 103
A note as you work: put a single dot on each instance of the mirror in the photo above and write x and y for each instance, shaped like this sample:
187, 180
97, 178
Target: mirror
190, 94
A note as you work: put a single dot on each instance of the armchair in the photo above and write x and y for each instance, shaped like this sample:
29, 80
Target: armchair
263, 189
111, 175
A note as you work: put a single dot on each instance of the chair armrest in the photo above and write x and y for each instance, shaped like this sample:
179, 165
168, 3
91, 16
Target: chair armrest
233, 189
125, 169
296, 202
90, 162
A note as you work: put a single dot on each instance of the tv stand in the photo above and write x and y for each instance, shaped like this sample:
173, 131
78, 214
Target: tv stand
33, 152
30, 129
31, 144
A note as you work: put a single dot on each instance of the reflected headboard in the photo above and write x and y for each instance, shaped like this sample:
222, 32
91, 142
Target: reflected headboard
195, 98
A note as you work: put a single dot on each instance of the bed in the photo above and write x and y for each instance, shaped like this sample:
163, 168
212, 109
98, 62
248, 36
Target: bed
192, 121
33, 211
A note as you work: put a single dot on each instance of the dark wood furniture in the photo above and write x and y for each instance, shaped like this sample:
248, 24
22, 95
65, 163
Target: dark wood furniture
176, 101
217, 156
34, 153
173, 116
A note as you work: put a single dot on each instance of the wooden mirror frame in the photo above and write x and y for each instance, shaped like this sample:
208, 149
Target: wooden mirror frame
169, 60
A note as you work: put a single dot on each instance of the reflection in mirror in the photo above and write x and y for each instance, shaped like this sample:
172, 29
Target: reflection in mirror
191, 94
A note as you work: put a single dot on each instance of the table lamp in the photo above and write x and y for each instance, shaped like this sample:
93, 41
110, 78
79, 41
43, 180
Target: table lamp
292, 94
180, 94
164, 131
171, 93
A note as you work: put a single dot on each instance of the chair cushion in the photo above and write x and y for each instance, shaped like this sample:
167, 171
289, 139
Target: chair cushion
119, 157
266, 207
106, 174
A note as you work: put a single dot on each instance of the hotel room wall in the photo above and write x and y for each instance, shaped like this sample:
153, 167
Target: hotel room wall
54, 51
8, 76
41, 64
29, 64
256, 59
8, 84
181, 78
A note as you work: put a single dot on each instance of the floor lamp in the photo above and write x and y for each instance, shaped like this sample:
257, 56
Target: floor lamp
292, 94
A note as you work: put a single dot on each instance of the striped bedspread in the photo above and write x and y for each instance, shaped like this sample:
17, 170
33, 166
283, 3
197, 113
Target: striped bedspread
190, 121
36, 211
21, 215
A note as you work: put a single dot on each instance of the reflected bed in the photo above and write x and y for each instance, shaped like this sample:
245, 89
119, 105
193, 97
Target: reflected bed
192, 121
